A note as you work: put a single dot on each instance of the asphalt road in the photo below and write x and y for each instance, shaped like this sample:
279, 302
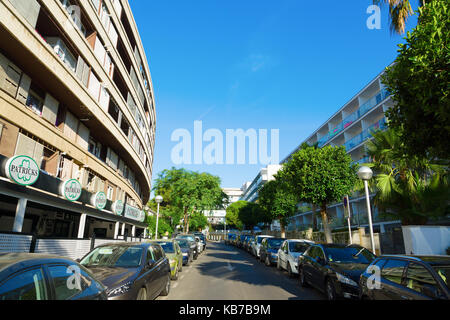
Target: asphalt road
227, 273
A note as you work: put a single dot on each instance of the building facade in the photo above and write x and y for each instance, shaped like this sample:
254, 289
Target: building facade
77, 119
250, 189
351, 126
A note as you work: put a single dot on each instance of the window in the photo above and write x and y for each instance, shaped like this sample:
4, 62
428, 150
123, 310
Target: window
35, 100
393, 270
110, 193
60, 278
157, 252
419, 279
150, 255
28, 285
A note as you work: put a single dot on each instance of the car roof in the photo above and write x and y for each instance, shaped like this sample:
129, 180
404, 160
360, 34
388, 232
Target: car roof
430, 259
300, 240
10, 259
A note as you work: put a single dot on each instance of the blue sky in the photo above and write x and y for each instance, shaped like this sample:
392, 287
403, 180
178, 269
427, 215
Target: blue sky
286, 65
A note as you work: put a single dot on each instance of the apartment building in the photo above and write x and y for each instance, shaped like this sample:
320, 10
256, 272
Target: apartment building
77, 119
250, 189
351, 126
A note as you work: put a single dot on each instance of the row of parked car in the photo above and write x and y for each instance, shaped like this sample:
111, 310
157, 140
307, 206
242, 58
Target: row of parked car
351, 271
114, 271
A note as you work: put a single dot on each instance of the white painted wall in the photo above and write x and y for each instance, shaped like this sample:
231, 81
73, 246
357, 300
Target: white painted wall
426, 240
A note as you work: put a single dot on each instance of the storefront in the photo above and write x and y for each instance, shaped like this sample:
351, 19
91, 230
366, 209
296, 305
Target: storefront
34, 202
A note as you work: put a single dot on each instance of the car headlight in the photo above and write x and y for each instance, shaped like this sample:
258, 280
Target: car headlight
120, 290
346, 280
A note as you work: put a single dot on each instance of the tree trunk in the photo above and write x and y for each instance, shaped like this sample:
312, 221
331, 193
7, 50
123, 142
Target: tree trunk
185, 219
282, 228
326, 227
314, 217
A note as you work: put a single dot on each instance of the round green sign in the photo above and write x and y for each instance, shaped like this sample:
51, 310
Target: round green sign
71, 190
22, 170
118, 207
99, 200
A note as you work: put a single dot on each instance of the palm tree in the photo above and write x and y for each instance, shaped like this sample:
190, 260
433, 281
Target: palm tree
399, 12
408, 187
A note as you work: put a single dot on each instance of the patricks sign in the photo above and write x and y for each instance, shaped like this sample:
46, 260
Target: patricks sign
134, 213
118, 207
22, 170
99, 200
71, 190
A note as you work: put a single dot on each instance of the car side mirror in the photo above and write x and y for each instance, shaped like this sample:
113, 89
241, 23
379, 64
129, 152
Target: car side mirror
321, 261
150, 264
430, 291
78, 260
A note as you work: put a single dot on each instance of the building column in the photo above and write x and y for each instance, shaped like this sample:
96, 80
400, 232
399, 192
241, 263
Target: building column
116, 230
145, 233
82, 226
20, 215
133, 231
123, 229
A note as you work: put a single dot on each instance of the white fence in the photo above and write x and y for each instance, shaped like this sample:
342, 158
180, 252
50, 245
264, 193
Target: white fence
14, 243
424, 240
71, 248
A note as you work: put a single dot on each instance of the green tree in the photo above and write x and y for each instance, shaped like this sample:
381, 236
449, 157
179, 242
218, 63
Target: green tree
232, 216
320, 176
419, 82
251, 214
278, 202
410, 188
198, 221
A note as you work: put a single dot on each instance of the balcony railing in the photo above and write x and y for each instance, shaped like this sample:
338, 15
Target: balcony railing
348, 121
366, 134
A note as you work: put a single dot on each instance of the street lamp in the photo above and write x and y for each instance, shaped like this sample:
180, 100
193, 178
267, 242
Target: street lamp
158, 200
365, 174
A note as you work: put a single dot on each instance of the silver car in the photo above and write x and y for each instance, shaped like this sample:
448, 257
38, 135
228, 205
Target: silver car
289, 252
256, 245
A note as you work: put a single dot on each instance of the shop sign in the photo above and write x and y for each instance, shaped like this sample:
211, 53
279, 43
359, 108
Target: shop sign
71, 190
22, 170
99, 200
134, 213
118, 207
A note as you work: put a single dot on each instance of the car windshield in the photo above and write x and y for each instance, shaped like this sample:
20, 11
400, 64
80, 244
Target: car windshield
274, 243
298, 246
349, 255
167, 246
190, 238
183, 243
114, 256
444, 273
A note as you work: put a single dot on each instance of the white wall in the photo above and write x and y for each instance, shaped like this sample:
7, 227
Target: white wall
426, 239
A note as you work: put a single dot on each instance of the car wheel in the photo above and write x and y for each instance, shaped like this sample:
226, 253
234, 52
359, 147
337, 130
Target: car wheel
166, 289
181, 267
301, 276
331, 292
175, 277
289, 270
278, 265
267, 261
142, 294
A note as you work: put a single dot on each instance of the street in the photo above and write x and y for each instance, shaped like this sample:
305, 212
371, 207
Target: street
227, 273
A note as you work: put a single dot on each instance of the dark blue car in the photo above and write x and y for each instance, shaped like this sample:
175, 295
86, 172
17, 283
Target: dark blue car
269, 250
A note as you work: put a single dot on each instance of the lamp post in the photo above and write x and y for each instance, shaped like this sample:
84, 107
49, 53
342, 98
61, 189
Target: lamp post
158, 200
365, 174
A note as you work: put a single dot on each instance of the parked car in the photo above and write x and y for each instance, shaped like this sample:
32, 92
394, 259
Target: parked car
257, 244
173, 252
30, 276
334, 268
199, 244
408, 278
248, 243
289, 252
130, 271
269, 250
191, 239
202, 238
187, 251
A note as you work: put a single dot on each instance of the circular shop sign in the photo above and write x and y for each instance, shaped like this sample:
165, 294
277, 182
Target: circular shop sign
22, 170
118, 207
71, 190
99, 200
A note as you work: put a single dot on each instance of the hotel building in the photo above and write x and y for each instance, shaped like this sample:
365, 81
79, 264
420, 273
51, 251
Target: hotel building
351, 126
77, 119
